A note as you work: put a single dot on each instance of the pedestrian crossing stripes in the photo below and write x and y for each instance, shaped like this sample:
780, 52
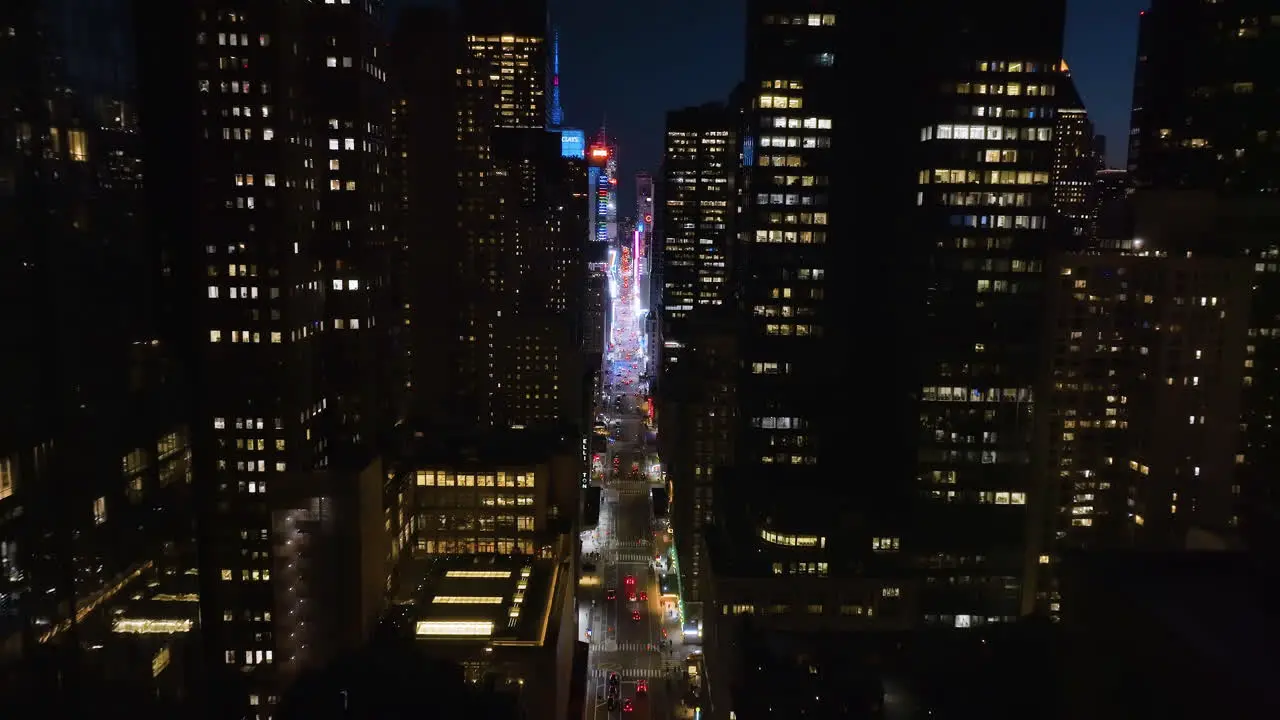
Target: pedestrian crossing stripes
634, 556
609, 646
624, 673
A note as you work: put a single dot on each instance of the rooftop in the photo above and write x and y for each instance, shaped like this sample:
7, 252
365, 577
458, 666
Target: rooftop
502, 447
490, 600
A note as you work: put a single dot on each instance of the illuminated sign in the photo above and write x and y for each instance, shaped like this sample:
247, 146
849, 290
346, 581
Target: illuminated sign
599, 152
573, 144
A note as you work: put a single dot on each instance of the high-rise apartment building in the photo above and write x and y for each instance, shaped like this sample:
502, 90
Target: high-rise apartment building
1145, 367
699, 169
275, 118
1204, 122
94, 453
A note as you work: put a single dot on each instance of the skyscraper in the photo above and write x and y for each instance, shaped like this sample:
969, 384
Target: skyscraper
424, 51
520, 225
1203, 123
1074, 162
1144, 379
887, 378
94, 452
277, 116
699, 171
980, 366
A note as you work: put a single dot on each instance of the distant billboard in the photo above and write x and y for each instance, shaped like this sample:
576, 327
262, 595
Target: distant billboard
573, 144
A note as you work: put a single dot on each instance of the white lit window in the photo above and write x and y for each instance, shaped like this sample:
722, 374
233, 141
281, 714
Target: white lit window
269, 180
99, 511
215, 336
268, 134
213, 292
337, 284
353, 284
275, 337
349, 144
355, 323
331, 61
333, 145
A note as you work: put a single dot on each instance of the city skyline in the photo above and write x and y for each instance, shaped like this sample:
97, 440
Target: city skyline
351, 362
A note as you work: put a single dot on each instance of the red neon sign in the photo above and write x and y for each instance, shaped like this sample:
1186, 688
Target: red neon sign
600, 153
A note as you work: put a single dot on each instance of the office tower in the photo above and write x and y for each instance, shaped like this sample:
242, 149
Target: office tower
1202, 121
1112, 220
696, 405
1145, 373
271, 143
424, 52
1100, 150
520, 263
699, 168
1196, 117
1074, 162
93, 447
603, 179
967, 193
980, 364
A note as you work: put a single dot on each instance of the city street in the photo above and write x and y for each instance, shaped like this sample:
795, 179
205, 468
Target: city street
635, 635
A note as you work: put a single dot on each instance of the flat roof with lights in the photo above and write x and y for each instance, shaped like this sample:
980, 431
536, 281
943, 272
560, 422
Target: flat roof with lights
498, 601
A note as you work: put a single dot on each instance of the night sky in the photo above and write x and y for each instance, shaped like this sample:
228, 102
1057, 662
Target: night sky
627, 63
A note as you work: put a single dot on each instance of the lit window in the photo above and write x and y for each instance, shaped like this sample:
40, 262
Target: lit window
269, 180
349, 144
333, 145
331, 61
99, 511
77, 145
346, 62
6, 478
335, 184
351, 185
333, 162
215, 336
353, 284
268, 134
275, 337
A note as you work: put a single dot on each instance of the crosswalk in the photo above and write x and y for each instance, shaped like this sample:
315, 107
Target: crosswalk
633, 556
610, 646
625, 673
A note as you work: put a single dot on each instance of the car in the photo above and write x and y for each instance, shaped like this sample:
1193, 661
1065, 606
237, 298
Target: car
644, 595
642, 687
627, 705
635, 615
610, 594
631, 596
630, 580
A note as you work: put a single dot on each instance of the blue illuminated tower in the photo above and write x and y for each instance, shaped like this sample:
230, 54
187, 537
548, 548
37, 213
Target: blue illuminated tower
556, 113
